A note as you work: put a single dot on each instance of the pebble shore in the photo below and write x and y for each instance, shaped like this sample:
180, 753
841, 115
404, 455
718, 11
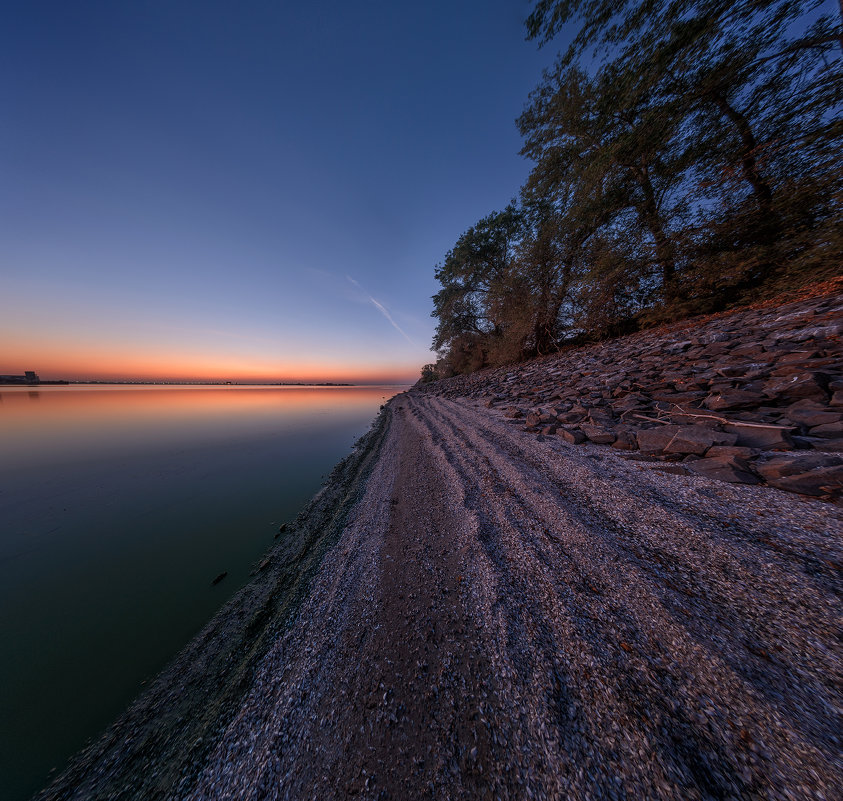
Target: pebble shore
477, 606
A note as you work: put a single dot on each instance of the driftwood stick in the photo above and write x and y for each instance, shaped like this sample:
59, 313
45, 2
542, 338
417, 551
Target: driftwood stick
652, 419
730, 422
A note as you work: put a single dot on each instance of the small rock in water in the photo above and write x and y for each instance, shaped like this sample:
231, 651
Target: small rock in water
219, 578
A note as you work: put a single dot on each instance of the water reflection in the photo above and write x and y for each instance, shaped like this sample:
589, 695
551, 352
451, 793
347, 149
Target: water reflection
119, 506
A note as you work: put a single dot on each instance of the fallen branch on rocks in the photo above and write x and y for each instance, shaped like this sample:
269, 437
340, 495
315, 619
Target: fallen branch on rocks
725, 421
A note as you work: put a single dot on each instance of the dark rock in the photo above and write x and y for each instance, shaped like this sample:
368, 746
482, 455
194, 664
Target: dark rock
724, 468
734, 399
827, 431
625, 441
731, 450
766, 438
655, 440
801, 356
811, 413
678, 347
781, 466
697, 440
547, 430
819, 482
572, 435
598, 435
798, 386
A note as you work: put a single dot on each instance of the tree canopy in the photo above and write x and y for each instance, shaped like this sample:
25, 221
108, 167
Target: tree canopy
685, 158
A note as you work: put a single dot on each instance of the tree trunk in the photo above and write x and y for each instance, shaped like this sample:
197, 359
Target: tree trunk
652, 219
749, 165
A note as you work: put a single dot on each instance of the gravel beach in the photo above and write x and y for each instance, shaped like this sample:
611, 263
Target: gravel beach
510, 616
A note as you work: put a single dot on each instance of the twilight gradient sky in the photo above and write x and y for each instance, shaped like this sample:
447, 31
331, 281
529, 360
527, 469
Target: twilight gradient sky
246, 190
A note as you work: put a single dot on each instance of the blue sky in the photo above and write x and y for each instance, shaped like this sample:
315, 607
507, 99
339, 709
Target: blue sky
261, 189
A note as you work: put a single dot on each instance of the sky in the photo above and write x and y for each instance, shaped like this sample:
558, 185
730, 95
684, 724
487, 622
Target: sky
246, 190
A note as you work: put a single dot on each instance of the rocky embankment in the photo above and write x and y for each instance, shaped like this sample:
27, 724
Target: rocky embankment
751, 397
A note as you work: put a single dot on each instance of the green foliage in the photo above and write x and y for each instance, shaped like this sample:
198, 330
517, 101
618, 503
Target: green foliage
686, 158
428, 374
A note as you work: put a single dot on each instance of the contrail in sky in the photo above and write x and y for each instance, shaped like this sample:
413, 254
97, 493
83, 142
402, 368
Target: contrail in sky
383, 310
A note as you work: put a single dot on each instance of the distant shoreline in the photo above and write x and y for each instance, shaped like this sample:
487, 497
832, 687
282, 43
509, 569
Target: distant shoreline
195, 384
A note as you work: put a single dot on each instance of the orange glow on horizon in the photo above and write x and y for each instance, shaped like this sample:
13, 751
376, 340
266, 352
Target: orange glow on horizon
106, 366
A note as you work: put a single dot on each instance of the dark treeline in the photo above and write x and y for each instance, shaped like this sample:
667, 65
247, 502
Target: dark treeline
686, 159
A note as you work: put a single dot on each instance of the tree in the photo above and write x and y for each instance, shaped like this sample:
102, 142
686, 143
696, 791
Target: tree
747, 87
613, 139
474, 275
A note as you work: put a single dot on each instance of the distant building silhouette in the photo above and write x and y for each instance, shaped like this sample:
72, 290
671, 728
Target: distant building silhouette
29, 377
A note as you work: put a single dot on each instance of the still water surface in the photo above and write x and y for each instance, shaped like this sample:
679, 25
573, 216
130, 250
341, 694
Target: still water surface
118, 507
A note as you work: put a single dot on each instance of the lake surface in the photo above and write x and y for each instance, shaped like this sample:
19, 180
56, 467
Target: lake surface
119, 505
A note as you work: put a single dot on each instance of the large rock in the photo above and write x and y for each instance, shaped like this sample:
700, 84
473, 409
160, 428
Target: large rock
533, 419
781, 466
731, 450
819, 482
734, 399
766, 438
697, 440
723, 468
798, 386
598, 435
572, 435
655, 440
810, 413
827, 431
625, 441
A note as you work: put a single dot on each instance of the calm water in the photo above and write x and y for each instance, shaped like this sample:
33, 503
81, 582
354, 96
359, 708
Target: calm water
118, 507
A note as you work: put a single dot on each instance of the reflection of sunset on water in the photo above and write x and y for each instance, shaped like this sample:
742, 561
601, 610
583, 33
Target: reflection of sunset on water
90, 418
